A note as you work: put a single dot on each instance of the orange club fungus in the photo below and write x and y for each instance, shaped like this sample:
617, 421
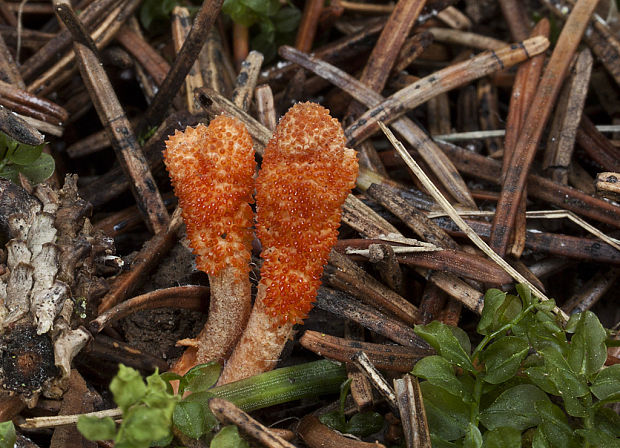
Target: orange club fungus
212, 171
305, 177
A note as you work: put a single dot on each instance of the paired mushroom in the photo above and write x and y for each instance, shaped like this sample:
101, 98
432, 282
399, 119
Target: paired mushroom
306, 175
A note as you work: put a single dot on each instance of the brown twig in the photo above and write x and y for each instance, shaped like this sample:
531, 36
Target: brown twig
113, 117
159, 245
592, 291
539, 187
265, 108
182, 64
412, 412
516, 18
439, 82
316, 435
525, 85
344, 274
154, 64
308, 25
385, 357
246, 81
540, 109
340, 304
180, 28
228, 413
561, 142
186, 297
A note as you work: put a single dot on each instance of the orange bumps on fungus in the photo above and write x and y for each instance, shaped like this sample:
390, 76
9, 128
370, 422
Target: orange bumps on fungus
306, 175
212, 171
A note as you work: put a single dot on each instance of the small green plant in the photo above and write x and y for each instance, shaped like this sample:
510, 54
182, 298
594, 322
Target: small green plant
272, 24
7, 435
527, 383
361, 424
31, 161
152, 412
147, 412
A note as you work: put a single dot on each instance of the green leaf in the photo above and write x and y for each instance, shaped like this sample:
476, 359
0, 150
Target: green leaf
606, 385
40, 170
155, 14
598, 439
8, 436
265, 44
168, 377
514, 408
503, 437
539, 440
525, 294
189, 417
201, 377
587, 351
144, 425
546, 305
540, 377
10, 172
442, 338
607, 420
503, 358
25, 154
554, 425
335, 420
127, 387
567, 383
94, 428
473, 438
240, 13
493, 299
447, 415
438, 442
499, 313
364, 424
228, 437
202, 399
440, 372
262, 7
543, 331
287, 19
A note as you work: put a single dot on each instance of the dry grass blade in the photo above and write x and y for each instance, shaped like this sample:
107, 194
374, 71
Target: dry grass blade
442, 201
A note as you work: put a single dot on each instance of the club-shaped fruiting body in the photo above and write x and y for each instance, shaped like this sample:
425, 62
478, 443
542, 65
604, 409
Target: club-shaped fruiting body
306, 174
212, 171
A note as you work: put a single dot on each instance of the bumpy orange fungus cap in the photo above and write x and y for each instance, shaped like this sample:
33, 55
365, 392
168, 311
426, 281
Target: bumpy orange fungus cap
212, 171
305, 177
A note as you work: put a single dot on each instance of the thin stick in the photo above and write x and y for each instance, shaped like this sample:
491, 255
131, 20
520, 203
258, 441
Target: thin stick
441, 200
181, 24
116, 123
360, 359
545, 97
309, 22
182, 64
228, 413
61, 420
439, 82
246, 81
467, 39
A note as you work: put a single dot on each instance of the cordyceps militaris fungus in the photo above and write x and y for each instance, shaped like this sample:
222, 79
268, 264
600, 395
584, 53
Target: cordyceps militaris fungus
305, 177
212, 170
